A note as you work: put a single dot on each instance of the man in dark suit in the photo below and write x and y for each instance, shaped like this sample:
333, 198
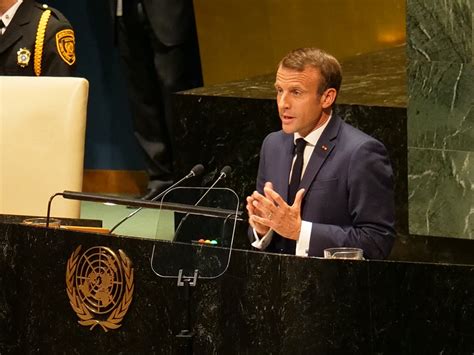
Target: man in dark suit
158, 46
342, 176
35, 40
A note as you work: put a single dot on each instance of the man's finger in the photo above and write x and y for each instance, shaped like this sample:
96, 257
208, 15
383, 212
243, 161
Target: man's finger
250, 208
261, 202
274, 196
269, 185
262, 221
299, 198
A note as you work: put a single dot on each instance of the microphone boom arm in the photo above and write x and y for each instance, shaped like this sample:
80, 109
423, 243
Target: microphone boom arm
171, 206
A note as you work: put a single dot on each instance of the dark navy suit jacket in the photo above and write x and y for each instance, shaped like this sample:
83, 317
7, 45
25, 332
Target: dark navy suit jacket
348, 186
171, 20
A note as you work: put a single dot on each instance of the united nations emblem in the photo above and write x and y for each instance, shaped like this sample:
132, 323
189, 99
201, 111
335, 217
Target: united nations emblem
23, 57
65, 44
99, 286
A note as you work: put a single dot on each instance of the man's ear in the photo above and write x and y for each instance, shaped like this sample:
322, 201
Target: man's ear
328, 97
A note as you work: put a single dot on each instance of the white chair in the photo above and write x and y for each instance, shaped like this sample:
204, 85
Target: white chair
42, 134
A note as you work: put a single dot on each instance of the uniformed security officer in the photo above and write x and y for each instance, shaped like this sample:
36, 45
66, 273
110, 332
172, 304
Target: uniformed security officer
35, 40
160, 54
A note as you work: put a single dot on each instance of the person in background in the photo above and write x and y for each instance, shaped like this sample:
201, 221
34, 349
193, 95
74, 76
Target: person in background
321, 182
35, 40
160, 55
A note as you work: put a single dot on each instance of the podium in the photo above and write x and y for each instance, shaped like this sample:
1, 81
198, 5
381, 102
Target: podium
264, 303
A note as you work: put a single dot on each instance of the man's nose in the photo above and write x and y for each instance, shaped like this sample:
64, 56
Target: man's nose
283, 101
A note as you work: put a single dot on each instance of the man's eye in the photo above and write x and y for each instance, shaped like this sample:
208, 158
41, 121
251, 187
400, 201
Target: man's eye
296, 92
279, 90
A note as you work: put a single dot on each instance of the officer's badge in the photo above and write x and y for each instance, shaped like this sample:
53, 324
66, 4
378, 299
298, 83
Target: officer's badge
65, 43
23, 57
99, 286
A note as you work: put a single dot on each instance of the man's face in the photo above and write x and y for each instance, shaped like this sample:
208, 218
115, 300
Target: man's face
6, 4
299, 104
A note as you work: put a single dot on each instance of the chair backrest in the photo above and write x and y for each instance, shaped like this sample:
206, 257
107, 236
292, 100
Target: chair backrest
42, 134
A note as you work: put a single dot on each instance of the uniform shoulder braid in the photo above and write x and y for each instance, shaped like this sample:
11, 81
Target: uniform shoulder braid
57, 16
54, 27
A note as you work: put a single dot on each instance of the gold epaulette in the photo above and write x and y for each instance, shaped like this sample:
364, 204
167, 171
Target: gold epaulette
39, 43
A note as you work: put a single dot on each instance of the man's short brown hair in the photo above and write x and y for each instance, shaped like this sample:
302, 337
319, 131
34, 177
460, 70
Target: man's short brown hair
331, 72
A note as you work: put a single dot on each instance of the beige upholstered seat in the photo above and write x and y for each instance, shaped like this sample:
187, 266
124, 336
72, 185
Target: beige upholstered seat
42, 132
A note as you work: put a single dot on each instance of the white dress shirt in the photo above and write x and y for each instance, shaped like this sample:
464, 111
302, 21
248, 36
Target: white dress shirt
302, 244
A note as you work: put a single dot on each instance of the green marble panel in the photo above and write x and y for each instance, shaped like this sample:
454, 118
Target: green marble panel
371, 79
440, 109
441, 192
440, 30
472, 38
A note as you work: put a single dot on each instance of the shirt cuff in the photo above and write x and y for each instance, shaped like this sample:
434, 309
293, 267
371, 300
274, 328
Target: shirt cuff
302, 244
262, 243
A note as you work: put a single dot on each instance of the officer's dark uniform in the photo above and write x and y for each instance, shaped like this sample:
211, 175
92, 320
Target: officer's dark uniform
159, 49
38, 41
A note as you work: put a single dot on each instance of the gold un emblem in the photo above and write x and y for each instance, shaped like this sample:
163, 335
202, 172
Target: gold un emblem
99, 286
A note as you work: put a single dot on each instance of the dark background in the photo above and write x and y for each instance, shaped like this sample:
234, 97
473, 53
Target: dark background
109, 139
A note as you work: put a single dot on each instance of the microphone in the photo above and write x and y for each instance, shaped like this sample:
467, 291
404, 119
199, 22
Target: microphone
195, 171
223, 174
226, 170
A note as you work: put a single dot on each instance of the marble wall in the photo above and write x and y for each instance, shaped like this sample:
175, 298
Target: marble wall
440, 117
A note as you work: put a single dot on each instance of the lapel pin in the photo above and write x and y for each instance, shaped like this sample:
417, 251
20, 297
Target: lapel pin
324, 147
23, 57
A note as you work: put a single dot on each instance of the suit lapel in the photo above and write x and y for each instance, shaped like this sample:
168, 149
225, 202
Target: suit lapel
284, 168
13, 33
322, 150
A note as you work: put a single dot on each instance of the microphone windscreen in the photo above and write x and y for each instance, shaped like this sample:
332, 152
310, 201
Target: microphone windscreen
226, 170
197, 169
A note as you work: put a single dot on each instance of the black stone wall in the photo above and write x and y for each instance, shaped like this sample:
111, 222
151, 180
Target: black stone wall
263, 304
